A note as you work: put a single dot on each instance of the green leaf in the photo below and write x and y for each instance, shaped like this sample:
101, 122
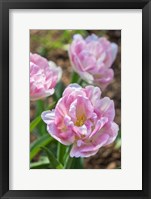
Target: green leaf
118, 144
51, 106
38, 119
59, 90
35, 122
118, 141
75, 77
77, 163
42, 164
54, 163
39, 107
35, 147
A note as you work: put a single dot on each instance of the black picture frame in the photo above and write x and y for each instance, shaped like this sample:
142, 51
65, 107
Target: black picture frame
5, 6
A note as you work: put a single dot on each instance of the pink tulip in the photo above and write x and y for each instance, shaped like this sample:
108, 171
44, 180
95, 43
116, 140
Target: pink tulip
92, 59
82, 119
44, 76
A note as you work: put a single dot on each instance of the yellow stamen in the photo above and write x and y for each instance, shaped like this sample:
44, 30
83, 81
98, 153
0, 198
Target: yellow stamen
80, 121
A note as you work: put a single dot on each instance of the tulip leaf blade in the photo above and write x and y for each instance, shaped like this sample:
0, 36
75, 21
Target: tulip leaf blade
34, 123
59, 90
75, 77
41, 164
38, 119
35, 147
54, 163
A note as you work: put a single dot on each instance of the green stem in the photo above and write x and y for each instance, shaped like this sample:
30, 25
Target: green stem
61, 151
54, 163
68, 159
68, 162
80, 81
58, 151
67, 153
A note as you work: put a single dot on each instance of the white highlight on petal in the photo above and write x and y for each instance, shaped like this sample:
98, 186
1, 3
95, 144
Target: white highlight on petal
48, 116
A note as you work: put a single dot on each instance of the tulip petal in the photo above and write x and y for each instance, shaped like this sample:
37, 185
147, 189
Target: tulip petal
92, 59
83, 119
48, 116
43, 77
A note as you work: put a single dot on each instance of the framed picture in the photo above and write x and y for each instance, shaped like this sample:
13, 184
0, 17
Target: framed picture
75, 99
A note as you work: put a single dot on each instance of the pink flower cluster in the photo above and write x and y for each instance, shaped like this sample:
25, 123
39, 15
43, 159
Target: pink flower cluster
83, 119
92, 59
44, 76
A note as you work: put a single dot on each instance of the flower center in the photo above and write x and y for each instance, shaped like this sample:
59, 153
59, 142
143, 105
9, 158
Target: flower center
80, 121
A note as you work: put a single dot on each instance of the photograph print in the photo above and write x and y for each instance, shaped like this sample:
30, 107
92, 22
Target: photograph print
75, 99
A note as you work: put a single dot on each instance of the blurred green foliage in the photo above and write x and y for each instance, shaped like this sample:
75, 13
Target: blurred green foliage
54, 39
